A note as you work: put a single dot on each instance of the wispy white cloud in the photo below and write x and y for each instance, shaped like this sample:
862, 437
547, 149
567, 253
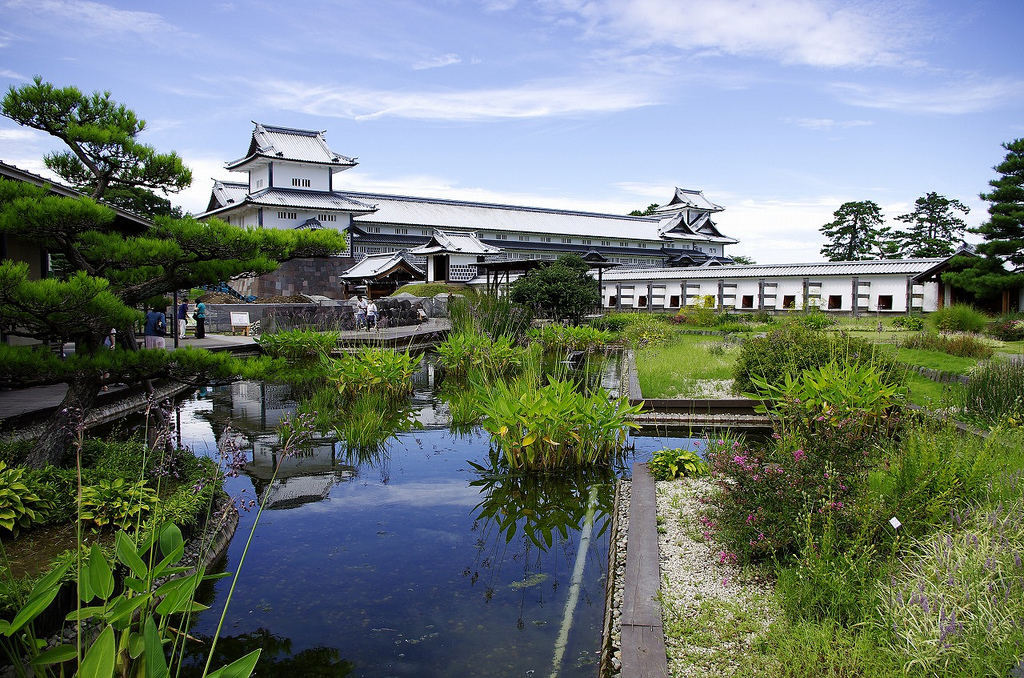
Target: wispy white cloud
810, 32
437, 62
826, 123
531, 100
951, 98
93, 17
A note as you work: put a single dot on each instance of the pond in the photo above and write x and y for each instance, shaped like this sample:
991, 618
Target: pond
414, 561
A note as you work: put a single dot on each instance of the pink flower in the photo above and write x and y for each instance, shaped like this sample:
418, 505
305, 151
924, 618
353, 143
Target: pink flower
798, 455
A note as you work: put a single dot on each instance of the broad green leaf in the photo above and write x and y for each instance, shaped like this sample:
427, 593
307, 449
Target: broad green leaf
101, 579
99, 660
42, 595
240, 668
61, 653
125, 552
136, 643
156, 663
171, 541
86, 613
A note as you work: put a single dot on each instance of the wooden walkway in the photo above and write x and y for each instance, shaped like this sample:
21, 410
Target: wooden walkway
643, 639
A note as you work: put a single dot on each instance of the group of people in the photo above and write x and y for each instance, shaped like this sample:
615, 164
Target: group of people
156, 324
367, 314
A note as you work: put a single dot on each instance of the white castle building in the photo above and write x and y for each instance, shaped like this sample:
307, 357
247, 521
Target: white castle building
673, 258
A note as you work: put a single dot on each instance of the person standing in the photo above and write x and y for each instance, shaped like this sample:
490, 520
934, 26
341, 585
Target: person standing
371, 315
156, 328
200, 316
182, 317
361, 313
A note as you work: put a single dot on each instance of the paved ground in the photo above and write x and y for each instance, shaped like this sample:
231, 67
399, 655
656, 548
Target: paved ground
17, 402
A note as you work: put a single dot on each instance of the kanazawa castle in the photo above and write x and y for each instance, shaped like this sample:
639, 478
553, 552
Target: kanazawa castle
663, 261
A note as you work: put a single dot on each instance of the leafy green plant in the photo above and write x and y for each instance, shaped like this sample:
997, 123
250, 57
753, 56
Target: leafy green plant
913, 323
670, 464
561, 339
20, 504
1008, 328
135, 636
373, 370
462, 354
490, 315
118, 503
958, 318
645, 329
554, 425
301, 347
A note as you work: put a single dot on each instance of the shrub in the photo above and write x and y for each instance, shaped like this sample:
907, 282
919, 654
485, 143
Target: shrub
301, 347
959, 318
1008, 329
792, 348
117, 503
961, 345
20, 503
816, 319
676, 463
645, 329
612, 322
914, 323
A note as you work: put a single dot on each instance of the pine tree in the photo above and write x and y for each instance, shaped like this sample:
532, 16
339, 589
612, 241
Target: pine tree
1000, 268
854, 233
934, 229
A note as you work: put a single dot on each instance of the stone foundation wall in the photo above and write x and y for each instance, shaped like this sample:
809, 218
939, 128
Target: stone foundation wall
300, 276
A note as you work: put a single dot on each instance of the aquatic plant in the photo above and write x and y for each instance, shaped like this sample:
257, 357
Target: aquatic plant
465, 353
561, 339
670, 464
377, 370
554, 425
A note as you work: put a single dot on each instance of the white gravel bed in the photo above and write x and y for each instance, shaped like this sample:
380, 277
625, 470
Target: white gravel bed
712, 611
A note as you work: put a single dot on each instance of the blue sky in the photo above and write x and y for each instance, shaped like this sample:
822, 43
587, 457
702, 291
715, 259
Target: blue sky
779, 110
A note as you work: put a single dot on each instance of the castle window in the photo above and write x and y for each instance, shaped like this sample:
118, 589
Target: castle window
287, 215
401, 231
545, 239
586, 241
327, 217
301, 183
524, 238
567, 240
373, 229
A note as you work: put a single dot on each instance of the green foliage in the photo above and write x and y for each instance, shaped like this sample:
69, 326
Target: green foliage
562, 289
792, 348
646, 329
854, 232
958, 318
117, 503
299, 347
960, 345
21, 506
995, 393
370, 419
816, 319
1001, 264
953, 604
559, 339
554, 425
373, 370
489, 315
465, 354
830, 578
913, 323
934, 228
135, 636
669, 464
434, 289
102, 136
612, 322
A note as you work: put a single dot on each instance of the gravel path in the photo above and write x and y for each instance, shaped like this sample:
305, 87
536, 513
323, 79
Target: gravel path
712, 611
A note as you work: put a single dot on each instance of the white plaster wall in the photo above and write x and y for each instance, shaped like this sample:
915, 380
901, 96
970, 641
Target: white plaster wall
257, 175
319, 177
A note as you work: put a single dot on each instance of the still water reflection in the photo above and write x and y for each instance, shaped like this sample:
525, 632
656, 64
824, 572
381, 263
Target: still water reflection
415, 561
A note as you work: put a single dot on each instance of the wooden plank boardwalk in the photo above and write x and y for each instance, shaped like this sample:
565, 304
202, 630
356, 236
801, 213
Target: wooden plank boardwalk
643, 639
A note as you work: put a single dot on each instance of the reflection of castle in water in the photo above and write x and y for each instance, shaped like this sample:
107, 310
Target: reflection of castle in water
249, 412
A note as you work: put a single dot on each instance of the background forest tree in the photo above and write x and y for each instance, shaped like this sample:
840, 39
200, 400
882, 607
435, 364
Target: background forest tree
112, 268
934, 228
854, 233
